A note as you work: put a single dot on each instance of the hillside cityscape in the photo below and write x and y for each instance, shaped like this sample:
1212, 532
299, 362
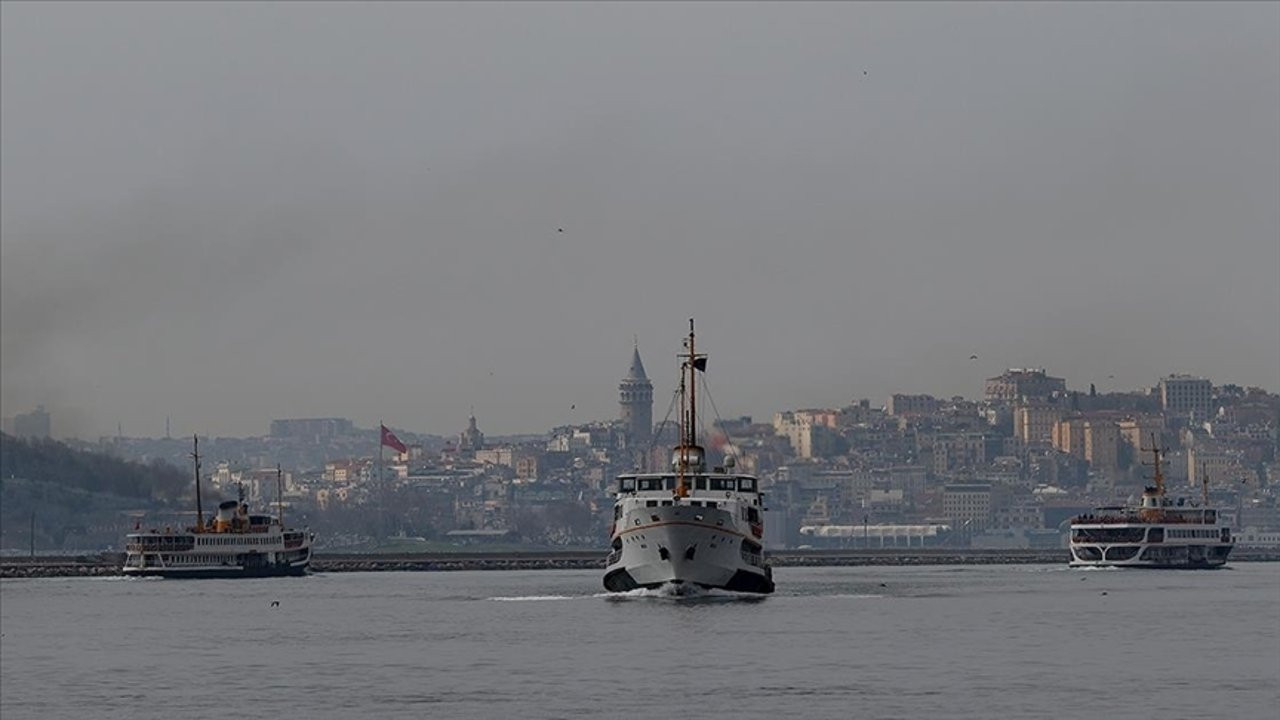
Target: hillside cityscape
1004, 471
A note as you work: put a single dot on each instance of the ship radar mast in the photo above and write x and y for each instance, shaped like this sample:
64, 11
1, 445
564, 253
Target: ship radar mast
195, 455
1157, 476
689, 456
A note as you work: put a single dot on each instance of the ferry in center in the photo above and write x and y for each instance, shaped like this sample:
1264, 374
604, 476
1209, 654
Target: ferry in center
690, 527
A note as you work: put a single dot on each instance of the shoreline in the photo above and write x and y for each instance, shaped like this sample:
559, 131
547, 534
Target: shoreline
109, 564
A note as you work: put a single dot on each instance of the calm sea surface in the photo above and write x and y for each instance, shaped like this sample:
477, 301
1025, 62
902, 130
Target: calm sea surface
948, 642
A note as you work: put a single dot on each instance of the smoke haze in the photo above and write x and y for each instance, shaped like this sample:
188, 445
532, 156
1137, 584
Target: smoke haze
229, 213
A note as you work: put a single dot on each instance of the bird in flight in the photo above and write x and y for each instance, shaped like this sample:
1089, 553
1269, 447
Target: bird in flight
973, 357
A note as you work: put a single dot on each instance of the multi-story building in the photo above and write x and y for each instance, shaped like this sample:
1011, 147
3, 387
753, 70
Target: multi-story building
967, 505
1016, 383
957, 451
34, 424
1033, 422
313, 429
1102, 445
1185, 395
1140, 431
900, 404
810, 432
1093, 439
1219, 467
1068, 436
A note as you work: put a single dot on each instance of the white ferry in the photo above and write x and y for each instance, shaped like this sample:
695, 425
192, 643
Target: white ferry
1159, 533
689, 527
235, 544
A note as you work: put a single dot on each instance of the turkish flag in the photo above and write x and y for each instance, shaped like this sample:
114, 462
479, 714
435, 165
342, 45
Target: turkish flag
390, 440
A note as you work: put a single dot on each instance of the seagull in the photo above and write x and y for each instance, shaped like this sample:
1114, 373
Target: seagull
573, 407
275, 603
559, 229
973, 357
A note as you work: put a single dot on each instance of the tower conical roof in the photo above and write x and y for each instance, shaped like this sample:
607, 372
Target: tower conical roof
637, 367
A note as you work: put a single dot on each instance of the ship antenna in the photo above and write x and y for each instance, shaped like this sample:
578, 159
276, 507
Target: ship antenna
692, 428
195, 455
279, 497
1205, 489
688, 414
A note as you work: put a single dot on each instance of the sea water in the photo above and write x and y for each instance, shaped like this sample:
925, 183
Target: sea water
869, 642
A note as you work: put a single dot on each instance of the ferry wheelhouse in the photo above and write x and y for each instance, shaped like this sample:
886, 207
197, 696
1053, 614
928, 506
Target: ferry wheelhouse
234, 544
1158, 533
690, 526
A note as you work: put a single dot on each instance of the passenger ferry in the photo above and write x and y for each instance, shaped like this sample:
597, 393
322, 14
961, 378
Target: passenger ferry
689, 527
234, 544
1159, 533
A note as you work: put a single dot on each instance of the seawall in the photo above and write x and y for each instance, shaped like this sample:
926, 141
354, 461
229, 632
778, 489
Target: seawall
108, 564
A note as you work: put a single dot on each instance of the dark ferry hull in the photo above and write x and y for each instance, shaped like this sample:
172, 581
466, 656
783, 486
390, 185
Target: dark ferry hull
1152, 556
743, 581
220, 573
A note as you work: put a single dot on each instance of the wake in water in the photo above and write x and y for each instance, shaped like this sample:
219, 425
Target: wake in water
681, 593
538, 598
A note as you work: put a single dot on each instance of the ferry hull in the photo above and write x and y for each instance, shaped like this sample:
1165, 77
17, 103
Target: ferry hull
1158, 557
205, 573
685, 546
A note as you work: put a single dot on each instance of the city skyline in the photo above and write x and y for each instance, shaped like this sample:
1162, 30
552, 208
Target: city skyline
493, 425
483, 205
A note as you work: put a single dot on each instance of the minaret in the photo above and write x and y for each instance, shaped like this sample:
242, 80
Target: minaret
635, 400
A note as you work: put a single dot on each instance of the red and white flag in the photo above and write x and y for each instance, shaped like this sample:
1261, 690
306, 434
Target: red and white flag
390, 440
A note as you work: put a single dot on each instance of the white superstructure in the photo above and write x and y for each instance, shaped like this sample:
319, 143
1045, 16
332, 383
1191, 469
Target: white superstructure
236, 545
690, 526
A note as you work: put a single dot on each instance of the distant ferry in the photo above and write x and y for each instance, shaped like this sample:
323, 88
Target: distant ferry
235, 544
1159, 533
688, 528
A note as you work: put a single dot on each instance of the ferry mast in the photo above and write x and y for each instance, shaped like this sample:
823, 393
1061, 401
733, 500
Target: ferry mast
195, 455
689, 454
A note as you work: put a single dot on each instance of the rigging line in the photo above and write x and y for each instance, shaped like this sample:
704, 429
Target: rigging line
706, 390
653, 441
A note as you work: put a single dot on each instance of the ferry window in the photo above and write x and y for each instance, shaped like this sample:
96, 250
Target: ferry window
627, 484
700, 483
747, 484
651, 503
712, 504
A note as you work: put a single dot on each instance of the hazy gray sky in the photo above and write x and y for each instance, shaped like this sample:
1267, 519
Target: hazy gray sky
229, 213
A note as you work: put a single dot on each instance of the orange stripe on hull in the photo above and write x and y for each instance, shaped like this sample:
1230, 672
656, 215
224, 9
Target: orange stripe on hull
716, 528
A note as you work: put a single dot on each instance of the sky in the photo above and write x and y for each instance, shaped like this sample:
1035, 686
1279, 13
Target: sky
227, 213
